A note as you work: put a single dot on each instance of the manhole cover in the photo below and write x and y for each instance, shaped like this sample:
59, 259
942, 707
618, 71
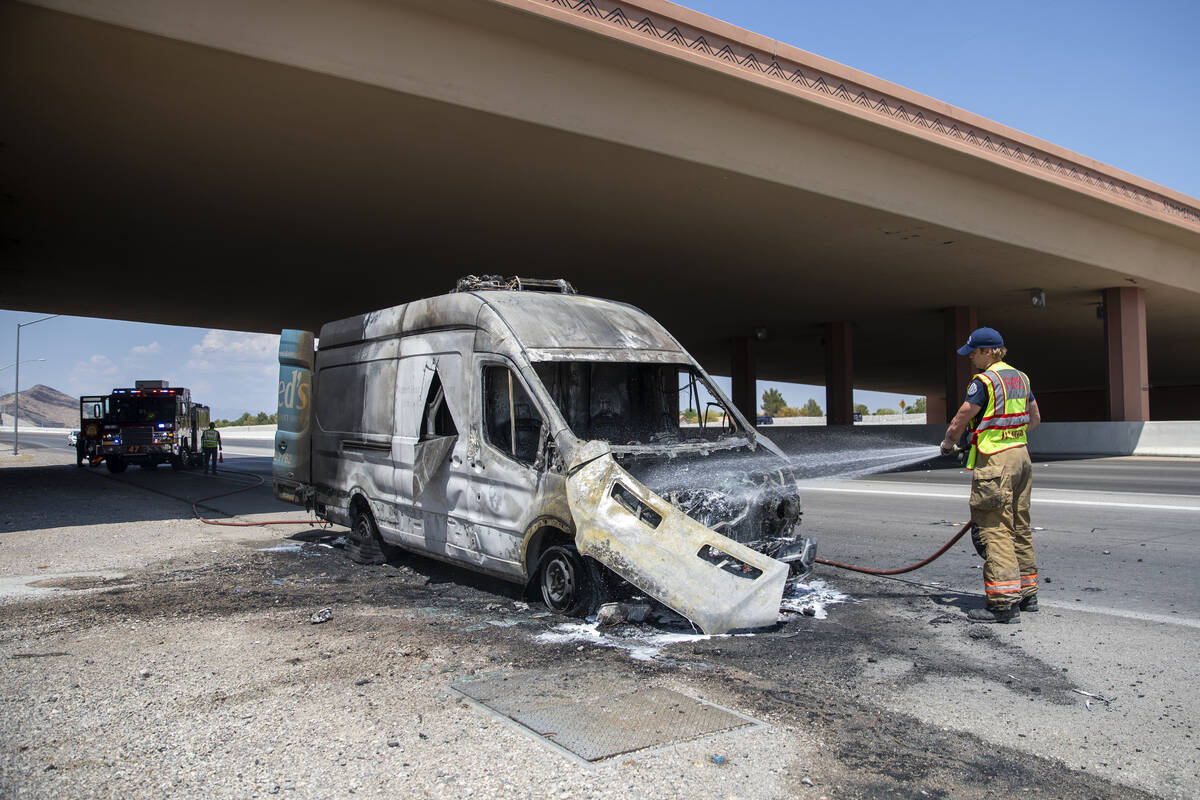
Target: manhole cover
596, 718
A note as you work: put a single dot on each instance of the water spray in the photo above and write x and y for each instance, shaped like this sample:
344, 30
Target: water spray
957, 451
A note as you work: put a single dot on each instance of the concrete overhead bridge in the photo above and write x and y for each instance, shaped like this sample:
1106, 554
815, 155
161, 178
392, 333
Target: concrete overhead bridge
264, 164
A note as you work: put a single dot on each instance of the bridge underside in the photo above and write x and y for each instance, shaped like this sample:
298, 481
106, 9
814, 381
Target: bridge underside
155, 180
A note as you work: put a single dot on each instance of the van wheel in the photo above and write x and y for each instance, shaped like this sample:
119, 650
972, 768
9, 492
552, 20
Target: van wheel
363, 543
570, 583
115, 464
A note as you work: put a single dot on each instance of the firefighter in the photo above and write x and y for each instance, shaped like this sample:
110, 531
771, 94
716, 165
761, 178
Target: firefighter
998, 412
210, 447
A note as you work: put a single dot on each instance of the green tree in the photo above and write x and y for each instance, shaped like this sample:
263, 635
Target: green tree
772, 401
811, 409
918, 406
244, 419
690, 415
262, 419
884, 411
861, 408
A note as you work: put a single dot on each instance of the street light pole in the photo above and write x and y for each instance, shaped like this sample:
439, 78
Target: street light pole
17, 383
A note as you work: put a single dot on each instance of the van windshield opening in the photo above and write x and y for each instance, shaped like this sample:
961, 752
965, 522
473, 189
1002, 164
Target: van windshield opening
637, 404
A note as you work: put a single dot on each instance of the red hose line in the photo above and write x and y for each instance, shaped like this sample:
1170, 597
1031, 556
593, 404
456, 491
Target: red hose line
196, 512
901, 571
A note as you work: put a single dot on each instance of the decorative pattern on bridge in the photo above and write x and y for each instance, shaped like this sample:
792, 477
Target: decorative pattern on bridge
807, 78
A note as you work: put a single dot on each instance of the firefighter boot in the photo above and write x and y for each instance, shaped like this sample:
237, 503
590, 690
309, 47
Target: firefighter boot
1029, 603
1003, 615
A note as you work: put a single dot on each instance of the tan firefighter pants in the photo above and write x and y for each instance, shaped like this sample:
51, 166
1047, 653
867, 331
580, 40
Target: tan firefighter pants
1000, 489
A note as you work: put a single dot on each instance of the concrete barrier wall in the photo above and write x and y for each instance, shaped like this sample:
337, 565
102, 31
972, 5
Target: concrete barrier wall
1169, 439
1161, 439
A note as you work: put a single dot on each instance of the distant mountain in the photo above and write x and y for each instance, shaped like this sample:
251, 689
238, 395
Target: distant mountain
43, 407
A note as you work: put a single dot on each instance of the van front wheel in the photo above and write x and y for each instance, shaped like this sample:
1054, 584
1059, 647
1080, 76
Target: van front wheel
570, 583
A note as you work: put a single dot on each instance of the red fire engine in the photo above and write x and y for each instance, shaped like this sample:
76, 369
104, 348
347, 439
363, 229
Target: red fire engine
148, 424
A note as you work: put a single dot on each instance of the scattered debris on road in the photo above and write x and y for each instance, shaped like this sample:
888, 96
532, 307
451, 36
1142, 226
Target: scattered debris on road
1104, 700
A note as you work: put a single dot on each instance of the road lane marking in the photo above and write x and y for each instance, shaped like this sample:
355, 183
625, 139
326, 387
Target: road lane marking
1035, 498
1140, 616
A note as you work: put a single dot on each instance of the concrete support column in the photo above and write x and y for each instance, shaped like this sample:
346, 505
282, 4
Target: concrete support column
1125, 341
958, 322
935, 409
839, 373
744, 374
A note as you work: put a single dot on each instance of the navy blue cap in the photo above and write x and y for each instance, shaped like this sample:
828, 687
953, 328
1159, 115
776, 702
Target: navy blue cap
983, 337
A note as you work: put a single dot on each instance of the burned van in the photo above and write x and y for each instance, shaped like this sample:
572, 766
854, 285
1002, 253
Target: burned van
544, 437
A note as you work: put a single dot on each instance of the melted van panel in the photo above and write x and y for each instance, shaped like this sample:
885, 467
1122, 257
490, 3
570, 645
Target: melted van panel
714, 581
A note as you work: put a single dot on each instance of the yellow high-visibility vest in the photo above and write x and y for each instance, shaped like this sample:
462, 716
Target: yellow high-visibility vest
209, 439
1005, 417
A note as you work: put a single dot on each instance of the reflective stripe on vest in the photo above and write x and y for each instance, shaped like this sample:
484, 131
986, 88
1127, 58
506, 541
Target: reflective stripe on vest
1006, 414
208, 439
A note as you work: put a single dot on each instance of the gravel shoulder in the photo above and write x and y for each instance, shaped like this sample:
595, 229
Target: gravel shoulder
156, 656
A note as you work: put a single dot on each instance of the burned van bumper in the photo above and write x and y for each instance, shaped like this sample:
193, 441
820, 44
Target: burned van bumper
718, 583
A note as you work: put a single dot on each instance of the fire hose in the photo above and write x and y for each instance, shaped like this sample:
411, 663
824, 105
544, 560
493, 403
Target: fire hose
965, 529
957, 450
259, 482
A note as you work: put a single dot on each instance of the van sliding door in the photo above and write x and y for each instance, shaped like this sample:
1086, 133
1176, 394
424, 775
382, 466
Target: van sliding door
431, 472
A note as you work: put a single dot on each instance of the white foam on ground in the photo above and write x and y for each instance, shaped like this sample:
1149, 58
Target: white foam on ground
810, 599
644, 643
641, 644
285, 547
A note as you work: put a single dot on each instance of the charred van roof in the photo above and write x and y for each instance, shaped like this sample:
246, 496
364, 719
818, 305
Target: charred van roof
548, 326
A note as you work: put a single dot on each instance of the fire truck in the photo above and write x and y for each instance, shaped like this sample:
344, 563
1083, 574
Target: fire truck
148, 424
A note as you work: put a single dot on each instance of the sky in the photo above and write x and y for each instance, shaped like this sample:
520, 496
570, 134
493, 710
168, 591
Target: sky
1114, 81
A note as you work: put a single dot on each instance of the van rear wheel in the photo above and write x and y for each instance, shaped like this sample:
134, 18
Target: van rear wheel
570, 583
363, 543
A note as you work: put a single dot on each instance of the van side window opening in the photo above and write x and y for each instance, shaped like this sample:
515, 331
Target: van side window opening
701, 409
357, 398
635, 403
511, 422
437, 420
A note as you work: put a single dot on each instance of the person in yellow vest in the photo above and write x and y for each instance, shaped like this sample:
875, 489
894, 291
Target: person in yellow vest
999, 411
210, 447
